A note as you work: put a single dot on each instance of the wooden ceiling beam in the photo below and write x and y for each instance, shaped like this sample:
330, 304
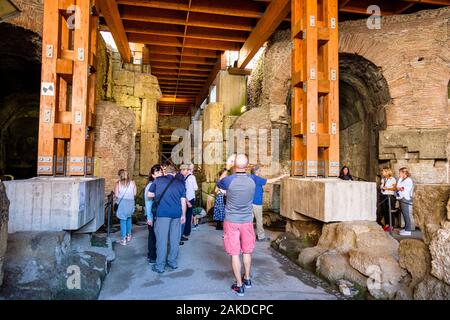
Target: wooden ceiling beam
179, 18
191, 60
111, 15
274, 15
183, 66
197, 74
182, 78
189, 52
178, 42
237, 8
192, 32
167, 83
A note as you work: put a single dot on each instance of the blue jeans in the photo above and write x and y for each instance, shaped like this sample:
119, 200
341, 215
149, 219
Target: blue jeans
125, 227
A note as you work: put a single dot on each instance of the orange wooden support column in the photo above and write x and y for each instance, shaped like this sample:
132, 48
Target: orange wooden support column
315, 113
49, 88
67, 117
331, 155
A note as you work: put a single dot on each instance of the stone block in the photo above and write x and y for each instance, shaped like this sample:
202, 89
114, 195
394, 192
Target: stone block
208, 187
115, 142
213, 117
415, 257
123, 78
128, 101
39, 264
308, 231
132, 67
149, 152
4, 217
430, 207
415, 141
149, 121
328, 200
228, 122
440, 253
279, 113
146, 86
55, 204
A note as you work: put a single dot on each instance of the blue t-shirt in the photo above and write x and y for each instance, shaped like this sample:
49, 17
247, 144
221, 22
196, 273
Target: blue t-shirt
170, 205
240, 189
148, 202
259, 182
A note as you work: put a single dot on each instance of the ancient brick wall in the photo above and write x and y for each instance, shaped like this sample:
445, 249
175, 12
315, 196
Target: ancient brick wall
405, 105
31, 15
412, 52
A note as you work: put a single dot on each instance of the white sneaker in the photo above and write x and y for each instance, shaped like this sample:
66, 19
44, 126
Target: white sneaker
405, 233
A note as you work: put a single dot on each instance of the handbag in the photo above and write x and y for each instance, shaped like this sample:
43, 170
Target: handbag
116, 205
156, 203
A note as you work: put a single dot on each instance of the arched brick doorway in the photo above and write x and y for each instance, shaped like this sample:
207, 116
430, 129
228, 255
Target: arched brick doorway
20, 55
363, 93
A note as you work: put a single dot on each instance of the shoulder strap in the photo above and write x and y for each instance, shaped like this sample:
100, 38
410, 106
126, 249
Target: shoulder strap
187, 177
167, 187
124, 192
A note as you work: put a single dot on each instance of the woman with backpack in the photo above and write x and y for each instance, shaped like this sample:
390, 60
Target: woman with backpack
125, 191
405, 187
155, 172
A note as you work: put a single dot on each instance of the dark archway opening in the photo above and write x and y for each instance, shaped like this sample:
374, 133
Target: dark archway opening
363, 93
20, 69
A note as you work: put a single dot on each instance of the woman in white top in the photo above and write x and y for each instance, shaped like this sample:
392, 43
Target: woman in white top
388, 188
405, 187
125, 191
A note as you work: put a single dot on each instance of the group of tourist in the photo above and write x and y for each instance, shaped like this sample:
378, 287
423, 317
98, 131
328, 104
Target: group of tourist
394, 192
169, 198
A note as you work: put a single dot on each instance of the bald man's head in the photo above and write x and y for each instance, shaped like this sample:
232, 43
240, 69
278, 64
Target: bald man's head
241, 162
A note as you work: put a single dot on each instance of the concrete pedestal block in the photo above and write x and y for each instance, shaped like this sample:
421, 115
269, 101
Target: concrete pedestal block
328, 200
56, 204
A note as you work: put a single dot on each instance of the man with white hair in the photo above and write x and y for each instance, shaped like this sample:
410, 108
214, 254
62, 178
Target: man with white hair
239, 235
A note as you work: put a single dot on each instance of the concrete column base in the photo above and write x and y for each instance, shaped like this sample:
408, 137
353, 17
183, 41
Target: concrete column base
328, 200
56, 204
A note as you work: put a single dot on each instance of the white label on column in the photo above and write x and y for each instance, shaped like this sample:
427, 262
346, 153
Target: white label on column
312, 127
312, 74
333, 75
333, 128
49, 51
78, 117
80, 54
312, 21
48, 89
47, 115
333, 23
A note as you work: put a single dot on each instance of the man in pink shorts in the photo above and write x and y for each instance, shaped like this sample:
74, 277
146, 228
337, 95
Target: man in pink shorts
239, 235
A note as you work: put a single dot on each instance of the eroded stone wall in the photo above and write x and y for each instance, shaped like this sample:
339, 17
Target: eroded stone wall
115, 142
4, 215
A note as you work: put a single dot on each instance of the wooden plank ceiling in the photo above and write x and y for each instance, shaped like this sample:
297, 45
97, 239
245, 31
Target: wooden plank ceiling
186, 38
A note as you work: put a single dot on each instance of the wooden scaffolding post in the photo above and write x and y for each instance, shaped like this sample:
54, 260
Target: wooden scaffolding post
67, 109
315, 110
49, 89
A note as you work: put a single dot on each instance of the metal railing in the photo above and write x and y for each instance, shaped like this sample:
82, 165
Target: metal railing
109, 208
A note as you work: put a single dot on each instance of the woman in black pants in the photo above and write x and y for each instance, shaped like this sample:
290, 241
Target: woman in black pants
388, 187
155, 172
